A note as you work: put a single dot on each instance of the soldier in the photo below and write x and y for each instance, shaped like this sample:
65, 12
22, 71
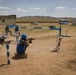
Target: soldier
17, 29
2, 39
22, 45
7, 30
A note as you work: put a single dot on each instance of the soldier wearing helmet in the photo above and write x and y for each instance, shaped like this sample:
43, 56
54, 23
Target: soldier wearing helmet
22, 44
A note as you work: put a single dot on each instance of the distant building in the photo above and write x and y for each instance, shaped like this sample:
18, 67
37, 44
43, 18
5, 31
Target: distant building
7, 19
63, 21
74, 22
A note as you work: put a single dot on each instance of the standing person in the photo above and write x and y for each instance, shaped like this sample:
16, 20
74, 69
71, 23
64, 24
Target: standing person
17, 36
57, 48
7, 30
17, 29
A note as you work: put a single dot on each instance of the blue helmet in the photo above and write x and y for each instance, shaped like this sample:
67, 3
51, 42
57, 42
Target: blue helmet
23, 36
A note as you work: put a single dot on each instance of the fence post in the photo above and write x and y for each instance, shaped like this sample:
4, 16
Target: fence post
8, 54
60, 31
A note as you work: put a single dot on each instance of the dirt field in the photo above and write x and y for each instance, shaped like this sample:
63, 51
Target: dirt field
40, 60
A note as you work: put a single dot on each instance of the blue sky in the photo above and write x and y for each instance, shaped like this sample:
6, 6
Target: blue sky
54, 8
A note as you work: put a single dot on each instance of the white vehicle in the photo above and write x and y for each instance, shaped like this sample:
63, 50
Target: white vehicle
34, 23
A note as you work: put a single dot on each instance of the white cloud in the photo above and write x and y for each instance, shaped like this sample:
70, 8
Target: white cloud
1, 7
60, 8
27, 9
4, 12
44, 9
21, 10
32, 8
74, 8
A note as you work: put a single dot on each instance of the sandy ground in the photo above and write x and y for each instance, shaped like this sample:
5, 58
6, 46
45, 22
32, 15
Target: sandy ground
40, 60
